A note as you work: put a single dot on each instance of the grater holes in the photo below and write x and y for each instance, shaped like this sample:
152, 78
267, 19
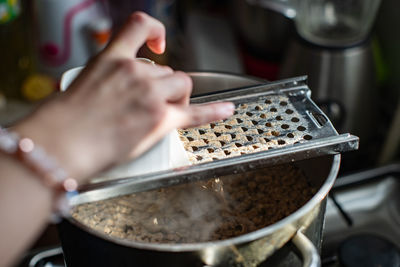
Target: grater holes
281, 142
301, 128
307, 137
242, 153
269, 123
275, 133
199, 157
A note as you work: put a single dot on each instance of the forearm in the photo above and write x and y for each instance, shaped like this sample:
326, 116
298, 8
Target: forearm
25, 208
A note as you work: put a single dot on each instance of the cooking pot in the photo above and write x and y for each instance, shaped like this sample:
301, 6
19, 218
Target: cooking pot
83, 246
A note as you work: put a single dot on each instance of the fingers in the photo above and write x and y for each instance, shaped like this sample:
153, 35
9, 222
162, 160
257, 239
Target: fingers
140, 28
134, 69
175, 88
196, 115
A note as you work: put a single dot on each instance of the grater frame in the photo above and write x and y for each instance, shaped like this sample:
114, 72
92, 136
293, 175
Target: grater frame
325, 141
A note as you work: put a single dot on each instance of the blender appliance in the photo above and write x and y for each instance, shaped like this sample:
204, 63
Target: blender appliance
333, 46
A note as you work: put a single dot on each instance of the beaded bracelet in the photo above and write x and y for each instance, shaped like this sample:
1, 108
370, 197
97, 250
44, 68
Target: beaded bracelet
45, 167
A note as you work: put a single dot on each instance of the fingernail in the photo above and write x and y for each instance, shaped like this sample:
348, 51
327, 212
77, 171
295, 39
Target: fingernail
162, 46
226, 109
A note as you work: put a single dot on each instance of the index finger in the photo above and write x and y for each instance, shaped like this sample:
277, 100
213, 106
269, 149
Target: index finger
139, 28
196, 115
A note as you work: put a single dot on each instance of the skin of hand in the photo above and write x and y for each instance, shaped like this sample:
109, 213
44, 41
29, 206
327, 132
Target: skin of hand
118, 107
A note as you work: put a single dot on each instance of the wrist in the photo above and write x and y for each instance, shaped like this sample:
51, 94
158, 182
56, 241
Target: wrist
46, 135
42, 165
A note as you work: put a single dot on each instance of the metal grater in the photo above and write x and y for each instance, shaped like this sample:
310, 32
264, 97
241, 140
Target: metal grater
273, 123
264, 123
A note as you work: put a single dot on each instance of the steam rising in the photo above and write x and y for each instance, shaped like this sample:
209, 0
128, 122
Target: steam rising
212, 210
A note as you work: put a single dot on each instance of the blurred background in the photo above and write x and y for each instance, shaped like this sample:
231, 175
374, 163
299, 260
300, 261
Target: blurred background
350, 51
353, 68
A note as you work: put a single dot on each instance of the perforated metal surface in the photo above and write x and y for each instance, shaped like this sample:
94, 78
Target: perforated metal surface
274, 123
268, 123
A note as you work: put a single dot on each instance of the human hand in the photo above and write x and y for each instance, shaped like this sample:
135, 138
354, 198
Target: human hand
118, 107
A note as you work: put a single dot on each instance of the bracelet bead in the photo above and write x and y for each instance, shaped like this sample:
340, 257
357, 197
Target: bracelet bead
38, 161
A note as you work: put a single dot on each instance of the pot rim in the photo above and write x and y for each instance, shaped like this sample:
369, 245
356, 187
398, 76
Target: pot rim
249, 237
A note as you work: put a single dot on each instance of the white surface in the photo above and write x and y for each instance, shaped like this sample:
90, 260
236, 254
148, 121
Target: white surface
166, 154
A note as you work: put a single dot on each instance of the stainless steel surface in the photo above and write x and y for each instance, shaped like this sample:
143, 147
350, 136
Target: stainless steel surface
254, 247
271, 116
345, 76
371, 201
317, 138
207, 82
374, 207
308, 251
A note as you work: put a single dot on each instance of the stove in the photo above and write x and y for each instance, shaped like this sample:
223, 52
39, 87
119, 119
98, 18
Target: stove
362, 225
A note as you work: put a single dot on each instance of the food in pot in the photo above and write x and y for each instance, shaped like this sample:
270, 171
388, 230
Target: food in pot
203, 211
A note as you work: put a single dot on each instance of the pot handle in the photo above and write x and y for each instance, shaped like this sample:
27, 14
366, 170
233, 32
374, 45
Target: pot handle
38, 258
308, 252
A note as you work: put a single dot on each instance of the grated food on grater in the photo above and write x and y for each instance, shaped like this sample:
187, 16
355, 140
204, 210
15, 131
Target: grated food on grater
268, 123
